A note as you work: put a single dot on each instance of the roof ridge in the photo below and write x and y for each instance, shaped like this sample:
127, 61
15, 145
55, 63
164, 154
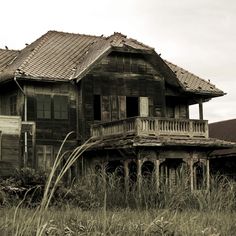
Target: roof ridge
142, 44
9, 50
75, 34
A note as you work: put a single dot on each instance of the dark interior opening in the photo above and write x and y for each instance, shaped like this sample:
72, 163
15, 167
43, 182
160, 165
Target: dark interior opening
132, 172
115, 167
199, 176
97, 107
147, 169
132, 106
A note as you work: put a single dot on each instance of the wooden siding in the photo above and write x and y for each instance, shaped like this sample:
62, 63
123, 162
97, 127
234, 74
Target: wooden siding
113, 80
51, 130
10, 130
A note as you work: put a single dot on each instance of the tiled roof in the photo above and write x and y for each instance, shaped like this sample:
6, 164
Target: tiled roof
65, 56
6, 57
193, 83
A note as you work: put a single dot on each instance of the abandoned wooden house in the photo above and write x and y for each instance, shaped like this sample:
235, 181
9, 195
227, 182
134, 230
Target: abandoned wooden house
115, 90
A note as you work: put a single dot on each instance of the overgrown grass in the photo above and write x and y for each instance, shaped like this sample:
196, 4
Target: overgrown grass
74, 221
98, 205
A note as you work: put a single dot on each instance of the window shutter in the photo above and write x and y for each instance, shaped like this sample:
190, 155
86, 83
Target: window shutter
143, 107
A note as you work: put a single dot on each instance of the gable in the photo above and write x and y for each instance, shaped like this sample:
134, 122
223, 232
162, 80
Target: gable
129, 63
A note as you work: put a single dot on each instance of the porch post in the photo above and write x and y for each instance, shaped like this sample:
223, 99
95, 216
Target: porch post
191, 174
207, 174
200, 110
139, 176
157, 173
126, 170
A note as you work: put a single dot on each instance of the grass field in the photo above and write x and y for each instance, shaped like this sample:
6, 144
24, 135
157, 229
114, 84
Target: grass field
74, 221
98, 205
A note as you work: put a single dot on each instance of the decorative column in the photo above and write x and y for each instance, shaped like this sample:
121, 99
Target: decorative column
157, 173
139, 176
126, 170
200, 110
191, 174
207, 174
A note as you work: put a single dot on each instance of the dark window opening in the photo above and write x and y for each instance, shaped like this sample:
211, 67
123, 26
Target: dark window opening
132, 106
97, 107
13, 105
44, 106
60, 107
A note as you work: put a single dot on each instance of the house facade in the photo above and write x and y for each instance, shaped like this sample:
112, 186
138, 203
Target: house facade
116, 91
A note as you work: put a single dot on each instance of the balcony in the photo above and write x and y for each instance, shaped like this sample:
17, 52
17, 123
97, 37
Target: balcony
151, 126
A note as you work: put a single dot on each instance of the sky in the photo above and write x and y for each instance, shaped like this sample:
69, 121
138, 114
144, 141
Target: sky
199, 36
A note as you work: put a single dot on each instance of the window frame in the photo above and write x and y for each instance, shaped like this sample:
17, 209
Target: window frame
61, 111
43, 117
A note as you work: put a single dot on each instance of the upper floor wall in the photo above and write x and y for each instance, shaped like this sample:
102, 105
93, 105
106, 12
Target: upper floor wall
125, 85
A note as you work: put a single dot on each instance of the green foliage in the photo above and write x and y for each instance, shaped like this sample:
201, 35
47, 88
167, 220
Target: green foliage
29, 177
27, 184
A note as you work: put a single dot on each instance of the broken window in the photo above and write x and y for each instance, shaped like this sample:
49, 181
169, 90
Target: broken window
60, 107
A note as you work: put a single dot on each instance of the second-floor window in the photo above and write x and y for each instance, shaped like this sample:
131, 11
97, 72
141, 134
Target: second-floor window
43, 106
60, 107
52, 107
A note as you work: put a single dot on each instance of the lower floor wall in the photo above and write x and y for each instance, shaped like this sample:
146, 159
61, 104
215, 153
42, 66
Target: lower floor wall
165, 168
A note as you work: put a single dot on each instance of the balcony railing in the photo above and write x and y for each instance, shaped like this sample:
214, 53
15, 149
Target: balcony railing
152, 126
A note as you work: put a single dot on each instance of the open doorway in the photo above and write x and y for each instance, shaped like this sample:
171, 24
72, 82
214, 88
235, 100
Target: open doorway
132, 106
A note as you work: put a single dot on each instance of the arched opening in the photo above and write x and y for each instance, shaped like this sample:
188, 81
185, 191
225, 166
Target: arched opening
147, 170
199, 180
132, 172
173, 172
116, 168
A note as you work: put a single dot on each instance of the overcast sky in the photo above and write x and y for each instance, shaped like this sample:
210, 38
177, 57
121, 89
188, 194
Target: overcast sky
199, 36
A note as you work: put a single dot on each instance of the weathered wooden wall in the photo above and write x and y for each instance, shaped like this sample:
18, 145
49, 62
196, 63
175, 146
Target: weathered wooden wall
118, 76
51, 131
10, 151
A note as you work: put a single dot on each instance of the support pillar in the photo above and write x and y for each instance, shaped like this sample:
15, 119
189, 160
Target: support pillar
207, 174
157, 174
139, 176
191, 174
200, 110
126, 172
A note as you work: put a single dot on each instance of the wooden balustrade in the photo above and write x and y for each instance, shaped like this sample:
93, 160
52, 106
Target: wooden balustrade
151, 126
